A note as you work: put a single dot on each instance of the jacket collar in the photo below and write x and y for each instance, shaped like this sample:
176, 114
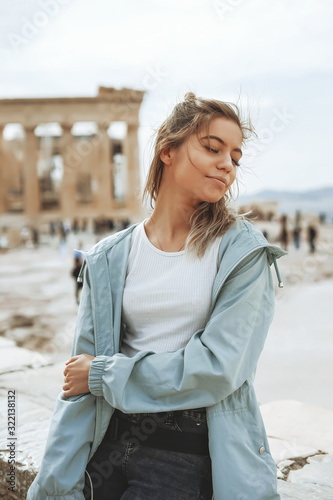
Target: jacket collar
242, 235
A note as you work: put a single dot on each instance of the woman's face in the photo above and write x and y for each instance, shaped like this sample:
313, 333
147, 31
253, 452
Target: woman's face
204, 167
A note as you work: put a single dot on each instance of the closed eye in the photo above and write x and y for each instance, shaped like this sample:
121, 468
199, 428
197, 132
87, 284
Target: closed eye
212, 150
217, 151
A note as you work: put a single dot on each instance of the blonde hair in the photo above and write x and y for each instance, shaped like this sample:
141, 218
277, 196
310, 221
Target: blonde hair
208, 220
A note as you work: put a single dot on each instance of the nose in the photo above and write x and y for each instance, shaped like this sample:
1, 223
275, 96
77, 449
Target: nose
225, 163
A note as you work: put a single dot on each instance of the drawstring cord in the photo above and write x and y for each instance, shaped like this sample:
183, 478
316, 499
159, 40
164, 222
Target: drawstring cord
91, 485
277, 272
80, 275
79, 279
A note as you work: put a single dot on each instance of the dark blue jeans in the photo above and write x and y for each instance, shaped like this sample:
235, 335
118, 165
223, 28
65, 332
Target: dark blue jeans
127, 469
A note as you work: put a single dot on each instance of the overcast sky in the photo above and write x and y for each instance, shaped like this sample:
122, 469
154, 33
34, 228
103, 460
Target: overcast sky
275, 58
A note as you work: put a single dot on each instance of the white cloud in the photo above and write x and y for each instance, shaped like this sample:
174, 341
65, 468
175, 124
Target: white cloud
274, 54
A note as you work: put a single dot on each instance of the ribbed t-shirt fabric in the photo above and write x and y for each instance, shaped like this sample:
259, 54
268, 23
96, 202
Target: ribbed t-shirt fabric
167, 295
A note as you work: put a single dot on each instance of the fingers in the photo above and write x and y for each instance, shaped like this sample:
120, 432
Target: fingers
67, 393
76, 375
67, 390
70, 391
68, 362
74, 358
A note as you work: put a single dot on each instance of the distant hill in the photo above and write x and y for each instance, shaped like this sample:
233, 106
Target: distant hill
312, 201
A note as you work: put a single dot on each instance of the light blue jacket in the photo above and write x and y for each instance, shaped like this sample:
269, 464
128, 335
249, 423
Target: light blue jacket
215, 370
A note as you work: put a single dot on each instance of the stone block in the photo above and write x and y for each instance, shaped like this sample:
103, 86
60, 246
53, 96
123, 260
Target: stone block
290, 491
300, 424
18, 358
319, 471
32, 425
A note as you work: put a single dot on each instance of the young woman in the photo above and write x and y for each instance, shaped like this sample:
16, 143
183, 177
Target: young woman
158, 401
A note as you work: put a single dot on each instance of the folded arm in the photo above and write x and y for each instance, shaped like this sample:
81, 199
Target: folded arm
215, 362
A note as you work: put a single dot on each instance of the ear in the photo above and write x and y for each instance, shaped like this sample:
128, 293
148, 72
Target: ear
166, 156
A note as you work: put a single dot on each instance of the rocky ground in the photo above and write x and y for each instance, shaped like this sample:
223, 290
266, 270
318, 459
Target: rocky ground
293, 382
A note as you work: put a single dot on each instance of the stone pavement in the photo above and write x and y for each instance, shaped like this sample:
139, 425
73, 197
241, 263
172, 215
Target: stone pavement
300, 435
301, 442
37, 316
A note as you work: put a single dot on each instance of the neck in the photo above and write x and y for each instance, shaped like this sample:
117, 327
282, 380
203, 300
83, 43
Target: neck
169, 224
172, 213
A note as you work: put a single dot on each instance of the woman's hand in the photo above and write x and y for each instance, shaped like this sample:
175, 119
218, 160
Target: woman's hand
76, 375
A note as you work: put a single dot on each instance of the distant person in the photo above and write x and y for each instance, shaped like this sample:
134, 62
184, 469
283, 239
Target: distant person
62, 240
158, 400
312, 236
66, 226
75, 274
52, 228
75, 226
284, 237
111, 224
297, 229
297, 236
125, 223
35, 237
77, 253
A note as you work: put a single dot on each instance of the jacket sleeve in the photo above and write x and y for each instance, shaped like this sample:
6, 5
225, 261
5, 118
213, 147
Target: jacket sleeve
61, 475
216, 361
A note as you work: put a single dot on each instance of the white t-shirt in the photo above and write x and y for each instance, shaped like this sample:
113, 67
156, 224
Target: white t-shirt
167, 295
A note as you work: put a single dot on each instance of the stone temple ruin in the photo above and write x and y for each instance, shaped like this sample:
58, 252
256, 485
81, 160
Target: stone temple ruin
59, 173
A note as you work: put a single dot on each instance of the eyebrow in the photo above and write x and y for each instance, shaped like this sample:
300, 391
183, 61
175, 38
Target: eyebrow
222, 142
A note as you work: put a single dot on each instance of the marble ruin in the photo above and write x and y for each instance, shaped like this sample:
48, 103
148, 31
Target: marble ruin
44, 177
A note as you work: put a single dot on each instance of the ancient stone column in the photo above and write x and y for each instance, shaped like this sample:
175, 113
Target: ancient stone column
70, 168
131, 150
30, 174
3, 184
104, 171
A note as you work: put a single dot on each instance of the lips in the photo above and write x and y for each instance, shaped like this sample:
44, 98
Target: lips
220, 180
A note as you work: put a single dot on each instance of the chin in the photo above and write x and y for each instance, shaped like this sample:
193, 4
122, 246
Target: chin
214, 195
214, 198
211, 199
